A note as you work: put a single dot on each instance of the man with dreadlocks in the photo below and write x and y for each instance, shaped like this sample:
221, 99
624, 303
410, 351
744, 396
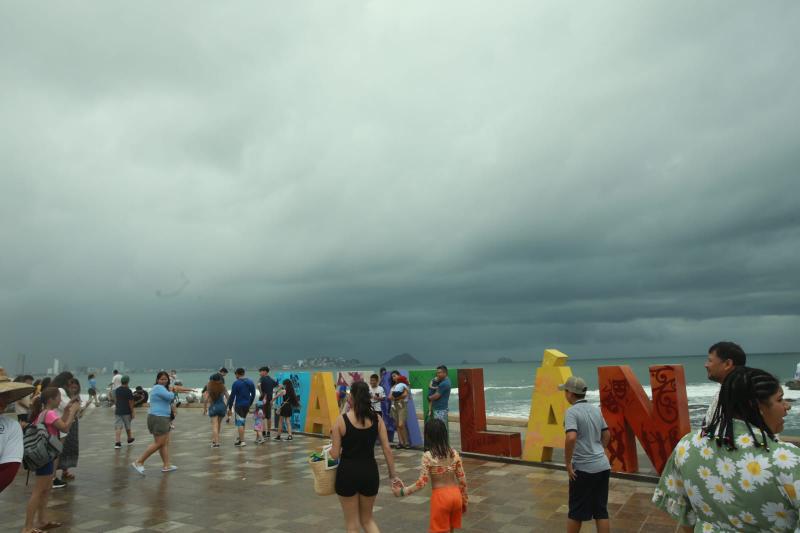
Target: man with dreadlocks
723, 357
735, 473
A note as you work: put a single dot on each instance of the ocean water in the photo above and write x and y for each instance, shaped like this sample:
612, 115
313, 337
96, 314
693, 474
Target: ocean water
508, 387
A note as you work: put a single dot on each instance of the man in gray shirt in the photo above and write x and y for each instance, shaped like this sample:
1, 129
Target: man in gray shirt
586, 438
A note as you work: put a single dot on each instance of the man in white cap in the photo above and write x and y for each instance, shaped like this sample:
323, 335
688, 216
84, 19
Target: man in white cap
587, 436
10, 430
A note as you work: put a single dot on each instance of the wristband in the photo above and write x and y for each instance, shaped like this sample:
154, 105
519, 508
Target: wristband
402, 491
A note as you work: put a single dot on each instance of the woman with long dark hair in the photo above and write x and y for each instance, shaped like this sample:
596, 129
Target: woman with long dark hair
69, 457
45, 410
216, 397
290, 403
399, 411
158, 422
735, 473
357, 478
61, 382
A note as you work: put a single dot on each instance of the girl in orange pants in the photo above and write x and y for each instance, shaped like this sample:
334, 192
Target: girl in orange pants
442, 466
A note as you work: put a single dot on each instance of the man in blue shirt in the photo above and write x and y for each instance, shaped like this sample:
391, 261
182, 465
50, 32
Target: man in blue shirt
243, 394
439, 394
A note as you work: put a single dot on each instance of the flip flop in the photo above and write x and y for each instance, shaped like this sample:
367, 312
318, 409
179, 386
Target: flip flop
51, 525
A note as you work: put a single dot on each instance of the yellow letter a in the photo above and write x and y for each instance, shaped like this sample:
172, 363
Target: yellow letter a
322, 408
546, 421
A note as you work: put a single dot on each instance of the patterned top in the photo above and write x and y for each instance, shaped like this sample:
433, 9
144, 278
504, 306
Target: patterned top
431, 466
715, 489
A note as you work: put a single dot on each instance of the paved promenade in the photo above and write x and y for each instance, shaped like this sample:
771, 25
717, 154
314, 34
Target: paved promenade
269, 488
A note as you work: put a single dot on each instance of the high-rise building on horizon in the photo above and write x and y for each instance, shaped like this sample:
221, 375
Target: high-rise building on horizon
119, 365
228, 363
56, 366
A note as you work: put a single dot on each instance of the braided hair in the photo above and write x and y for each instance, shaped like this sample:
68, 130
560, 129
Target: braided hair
743, 389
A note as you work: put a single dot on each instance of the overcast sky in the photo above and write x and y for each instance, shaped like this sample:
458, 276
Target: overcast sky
183, 182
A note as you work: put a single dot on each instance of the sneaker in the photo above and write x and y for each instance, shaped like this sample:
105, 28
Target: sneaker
215, 445
267, 435
130, 441
277, 437
260, 441
117, 445
289, 437
137, 467
59, 483
170, 468
264, 434
240, 443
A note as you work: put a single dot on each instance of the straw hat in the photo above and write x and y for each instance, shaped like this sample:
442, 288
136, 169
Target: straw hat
11, 390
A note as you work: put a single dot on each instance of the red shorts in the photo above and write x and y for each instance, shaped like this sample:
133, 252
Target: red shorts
446, 508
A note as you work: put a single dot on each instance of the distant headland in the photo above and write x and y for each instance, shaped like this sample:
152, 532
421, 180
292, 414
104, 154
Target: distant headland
404, 359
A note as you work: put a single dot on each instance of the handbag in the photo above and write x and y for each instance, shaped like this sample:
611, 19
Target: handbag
324, 471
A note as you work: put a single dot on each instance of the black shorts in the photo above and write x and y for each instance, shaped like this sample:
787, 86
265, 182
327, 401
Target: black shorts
267, 410
241, 411
357, 477
588, 496
286, 410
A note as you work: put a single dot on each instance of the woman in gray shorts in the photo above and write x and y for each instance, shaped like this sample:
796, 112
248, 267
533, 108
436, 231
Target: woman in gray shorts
158, 422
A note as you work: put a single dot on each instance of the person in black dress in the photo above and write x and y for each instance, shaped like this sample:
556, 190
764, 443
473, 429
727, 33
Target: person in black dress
357, 478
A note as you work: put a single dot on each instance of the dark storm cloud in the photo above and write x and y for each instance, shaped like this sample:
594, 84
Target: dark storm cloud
273, 181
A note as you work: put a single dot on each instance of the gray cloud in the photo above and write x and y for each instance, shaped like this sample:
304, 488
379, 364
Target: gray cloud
367, 178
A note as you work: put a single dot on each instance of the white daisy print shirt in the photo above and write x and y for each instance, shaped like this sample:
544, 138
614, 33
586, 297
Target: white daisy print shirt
747, 489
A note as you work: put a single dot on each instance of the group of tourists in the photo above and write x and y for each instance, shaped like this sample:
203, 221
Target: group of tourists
271, 398
733, 473
438, 397
55, 404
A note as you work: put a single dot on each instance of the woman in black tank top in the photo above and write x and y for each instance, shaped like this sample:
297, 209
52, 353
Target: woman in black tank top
357, 478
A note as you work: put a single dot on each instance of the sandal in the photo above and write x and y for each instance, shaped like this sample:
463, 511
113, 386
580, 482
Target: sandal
51, 525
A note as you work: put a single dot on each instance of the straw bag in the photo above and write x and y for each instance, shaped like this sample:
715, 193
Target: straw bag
324, 475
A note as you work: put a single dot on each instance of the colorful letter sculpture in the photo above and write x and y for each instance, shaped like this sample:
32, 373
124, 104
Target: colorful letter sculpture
322, 407
302, 383
546, 421
658, 425
472, 410
347, 377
